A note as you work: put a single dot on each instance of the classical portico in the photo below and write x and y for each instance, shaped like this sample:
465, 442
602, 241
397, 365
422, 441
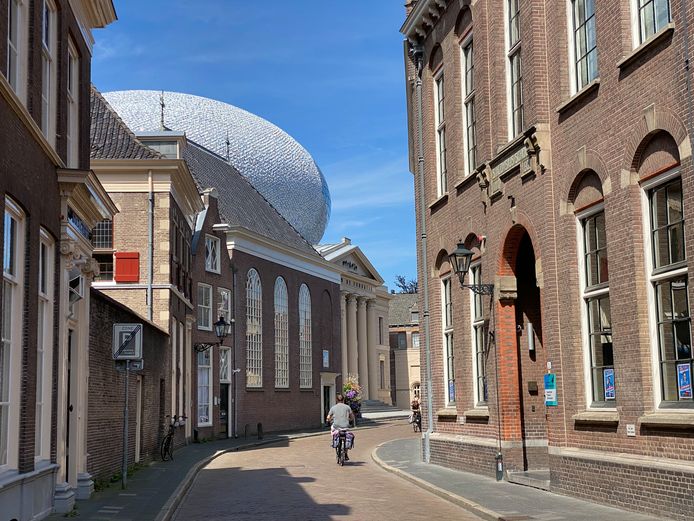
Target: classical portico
364, 312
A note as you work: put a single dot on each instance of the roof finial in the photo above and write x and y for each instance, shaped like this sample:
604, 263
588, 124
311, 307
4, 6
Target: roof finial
161, 103
227, 144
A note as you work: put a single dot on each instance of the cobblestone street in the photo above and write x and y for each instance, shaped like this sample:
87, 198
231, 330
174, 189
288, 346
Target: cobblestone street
300, 480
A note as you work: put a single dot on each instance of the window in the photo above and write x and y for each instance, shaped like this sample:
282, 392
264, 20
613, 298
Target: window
415, 340
402, 340
669, 279
479, 348
224, 306
44, 348
281, 334
382, 373
653, 15
224, 360
11, 332
254, 330
204, 387
448, 355
48, 66
416, 390
380, 330
73, 82
515, 85
414, 317
102, 239
469, 118
17, 45
305, 343
205, 307
596, 308
212, 254
584, 52
440, 115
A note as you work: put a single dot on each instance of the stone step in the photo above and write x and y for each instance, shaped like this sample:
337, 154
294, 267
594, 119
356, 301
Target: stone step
530, 478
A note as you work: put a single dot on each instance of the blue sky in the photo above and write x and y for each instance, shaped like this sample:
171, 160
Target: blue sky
328, 72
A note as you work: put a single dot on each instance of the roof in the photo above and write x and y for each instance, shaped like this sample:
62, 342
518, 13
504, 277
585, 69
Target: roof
239, 202
110, 137
401, 307
349, 253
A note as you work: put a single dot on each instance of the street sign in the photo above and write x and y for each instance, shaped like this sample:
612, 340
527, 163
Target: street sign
127, 341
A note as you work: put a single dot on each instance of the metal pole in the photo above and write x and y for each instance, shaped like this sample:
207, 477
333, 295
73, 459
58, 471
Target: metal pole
124, 470
417, 54
234, 372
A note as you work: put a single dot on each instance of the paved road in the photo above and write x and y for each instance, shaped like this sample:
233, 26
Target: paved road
300, 480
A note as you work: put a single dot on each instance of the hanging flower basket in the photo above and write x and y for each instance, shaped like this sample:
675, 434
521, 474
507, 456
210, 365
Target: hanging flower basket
353, 393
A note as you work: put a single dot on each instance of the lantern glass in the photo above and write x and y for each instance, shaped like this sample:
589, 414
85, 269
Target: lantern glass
460, 261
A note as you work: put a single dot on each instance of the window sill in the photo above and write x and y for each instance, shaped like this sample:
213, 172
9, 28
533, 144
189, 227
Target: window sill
439, 202
678, 420
579, 96
477, 414
467, 180
611, 417
654, 40
204, 425
254, 389
282, 390
447, 412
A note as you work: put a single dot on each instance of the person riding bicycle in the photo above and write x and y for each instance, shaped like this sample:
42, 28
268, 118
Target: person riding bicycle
340, 415
416, 412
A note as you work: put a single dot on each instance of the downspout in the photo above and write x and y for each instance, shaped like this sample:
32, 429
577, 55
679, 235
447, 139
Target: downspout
150, 245
234, 372
417, 55
687, 72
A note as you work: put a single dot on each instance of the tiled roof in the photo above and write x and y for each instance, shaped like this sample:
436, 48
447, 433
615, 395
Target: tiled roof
240, 204
110, 137
401, 307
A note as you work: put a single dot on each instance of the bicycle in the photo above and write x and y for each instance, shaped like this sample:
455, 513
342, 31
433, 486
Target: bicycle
341, 449
417, 421
167, 443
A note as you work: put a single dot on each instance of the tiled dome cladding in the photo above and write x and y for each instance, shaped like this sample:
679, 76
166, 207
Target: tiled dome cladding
278, 166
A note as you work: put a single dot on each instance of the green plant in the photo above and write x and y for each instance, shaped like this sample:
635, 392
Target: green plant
72, 513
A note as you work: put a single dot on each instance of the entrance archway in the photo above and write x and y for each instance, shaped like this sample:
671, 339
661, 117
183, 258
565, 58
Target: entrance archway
522, 358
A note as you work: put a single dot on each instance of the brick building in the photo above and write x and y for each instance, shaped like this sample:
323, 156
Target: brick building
49, 200
555, 140
403, 334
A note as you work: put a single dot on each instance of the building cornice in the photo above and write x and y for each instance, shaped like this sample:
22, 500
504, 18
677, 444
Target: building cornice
422, 18
92, 14
242, 239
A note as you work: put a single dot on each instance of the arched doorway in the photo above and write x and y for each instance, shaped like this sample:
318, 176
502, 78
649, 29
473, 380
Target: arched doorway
522, 358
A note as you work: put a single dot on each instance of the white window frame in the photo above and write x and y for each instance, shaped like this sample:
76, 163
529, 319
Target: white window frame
576, 83
281, 334
49, 43
254, 330
205, 310
204, 391
14, 283
587, 294
212, 254
658, 399
513, 51
17, 76
477, 329
73, 99
440, 124
415, 344
305, 339
225, 368
637, 33
44, 346
468, 92
447, 339
224, 304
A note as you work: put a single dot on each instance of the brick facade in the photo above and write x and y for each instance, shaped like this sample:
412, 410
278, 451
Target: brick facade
518, 212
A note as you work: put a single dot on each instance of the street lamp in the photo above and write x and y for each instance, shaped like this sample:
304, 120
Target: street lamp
222, 328
460, 259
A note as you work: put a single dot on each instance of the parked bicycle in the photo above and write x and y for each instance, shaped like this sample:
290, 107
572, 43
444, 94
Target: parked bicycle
167, 444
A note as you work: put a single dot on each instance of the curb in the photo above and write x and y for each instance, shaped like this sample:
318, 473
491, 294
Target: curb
460, 501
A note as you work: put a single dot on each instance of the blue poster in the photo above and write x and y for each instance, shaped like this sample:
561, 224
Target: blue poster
608, 381
550, 389
684, 381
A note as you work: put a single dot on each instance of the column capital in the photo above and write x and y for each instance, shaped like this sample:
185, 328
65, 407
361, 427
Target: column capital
361, 300
351, 297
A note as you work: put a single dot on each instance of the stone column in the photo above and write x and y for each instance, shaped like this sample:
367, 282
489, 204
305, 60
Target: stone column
343, 335
363, 346
372, 343
352, 334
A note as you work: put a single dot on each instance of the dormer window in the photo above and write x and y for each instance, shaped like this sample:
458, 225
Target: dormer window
168, 149
212, 254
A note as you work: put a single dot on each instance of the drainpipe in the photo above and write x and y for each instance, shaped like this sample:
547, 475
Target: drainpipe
150, 245
687, 71
417, 55
234, 372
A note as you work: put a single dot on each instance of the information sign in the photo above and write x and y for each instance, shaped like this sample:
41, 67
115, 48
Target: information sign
550, 389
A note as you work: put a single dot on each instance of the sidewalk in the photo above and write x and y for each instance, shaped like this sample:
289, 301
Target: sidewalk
155, 491
487, 498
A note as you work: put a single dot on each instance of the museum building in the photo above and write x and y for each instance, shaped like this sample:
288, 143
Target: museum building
550, 144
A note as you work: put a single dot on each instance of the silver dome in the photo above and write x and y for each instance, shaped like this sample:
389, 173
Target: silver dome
277, 166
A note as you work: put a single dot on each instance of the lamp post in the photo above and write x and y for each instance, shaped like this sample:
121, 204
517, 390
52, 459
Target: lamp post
460, 260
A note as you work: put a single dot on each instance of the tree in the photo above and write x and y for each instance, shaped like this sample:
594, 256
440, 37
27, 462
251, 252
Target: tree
404, 285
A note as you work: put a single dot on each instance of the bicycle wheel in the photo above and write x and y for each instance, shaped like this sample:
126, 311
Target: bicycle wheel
167, 447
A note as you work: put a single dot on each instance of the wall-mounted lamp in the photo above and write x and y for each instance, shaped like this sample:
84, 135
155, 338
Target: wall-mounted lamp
460, 260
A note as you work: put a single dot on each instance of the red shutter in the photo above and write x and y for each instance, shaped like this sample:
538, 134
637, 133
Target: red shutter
127, 267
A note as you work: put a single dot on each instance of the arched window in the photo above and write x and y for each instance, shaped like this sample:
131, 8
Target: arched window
305, 346
254, 330
281, 334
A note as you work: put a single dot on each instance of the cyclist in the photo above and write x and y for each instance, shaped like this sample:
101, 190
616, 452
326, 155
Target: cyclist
340, 415
416, 413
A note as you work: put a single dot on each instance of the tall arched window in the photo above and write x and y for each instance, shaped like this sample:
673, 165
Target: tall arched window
281, 334
254, 330
305, 346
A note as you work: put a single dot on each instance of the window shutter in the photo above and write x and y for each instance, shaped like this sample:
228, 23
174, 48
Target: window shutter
127, 266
